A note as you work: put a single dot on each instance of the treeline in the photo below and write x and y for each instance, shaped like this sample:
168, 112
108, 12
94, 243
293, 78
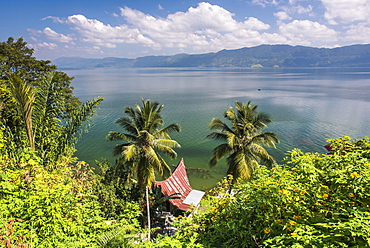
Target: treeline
264, 55
50, 199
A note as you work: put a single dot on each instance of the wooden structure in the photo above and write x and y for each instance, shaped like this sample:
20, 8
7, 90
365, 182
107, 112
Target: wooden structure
178, 182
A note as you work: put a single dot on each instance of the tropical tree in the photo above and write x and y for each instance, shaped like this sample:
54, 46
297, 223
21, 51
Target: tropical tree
36, 98
24, 97
146, 140
16, 58
244, 140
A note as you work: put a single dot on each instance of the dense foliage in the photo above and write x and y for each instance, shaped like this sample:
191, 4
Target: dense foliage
243, 140
37, 105
47, 198
59, 207
145, 141
315, 200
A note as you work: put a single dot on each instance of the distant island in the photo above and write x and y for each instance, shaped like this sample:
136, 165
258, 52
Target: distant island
259, 56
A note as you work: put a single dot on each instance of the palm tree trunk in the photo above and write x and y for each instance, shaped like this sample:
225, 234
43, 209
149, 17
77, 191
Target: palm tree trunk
148, 210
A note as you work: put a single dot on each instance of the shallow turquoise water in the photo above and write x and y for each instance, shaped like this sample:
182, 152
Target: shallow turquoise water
308, 105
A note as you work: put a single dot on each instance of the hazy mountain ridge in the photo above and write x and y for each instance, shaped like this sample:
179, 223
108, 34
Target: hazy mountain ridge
265, 55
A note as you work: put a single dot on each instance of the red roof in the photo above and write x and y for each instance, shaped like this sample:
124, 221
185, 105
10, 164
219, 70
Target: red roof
178, 182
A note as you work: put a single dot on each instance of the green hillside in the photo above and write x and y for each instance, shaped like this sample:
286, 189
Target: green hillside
265, 55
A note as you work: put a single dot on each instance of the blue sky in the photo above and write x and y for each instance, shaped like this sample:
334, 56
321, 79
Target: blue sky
136, 28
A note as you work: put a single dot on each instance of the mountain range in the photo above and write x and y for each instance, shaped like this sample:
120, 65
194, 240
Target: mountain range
259, 56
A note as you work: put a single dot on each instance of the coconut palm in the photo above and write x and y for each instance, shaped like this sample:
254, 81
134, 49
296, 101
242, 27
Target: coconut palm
244, 140
146, 141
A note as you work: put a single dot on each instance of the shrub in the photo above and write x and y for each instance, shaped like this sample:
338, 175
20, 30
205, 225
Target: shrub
315, 200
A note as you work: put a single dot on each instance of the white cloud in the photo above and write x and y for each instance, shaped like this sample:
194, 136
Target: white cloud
264, 3
299, 9
255, 24
282, 15
358, 33
51, 34
96, 32
307, 33
44, 45
205, 16
206, 27
346, 11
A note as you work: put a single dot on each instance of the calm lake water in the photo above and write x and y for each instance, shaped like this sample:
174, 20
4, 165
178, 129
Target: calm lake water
308, 106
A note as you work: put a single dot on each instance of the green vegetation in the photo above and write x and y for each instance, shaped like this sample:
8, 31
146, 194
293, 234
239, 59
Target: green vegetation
50, 199
244, 140
263, 55
315, 200
146, 140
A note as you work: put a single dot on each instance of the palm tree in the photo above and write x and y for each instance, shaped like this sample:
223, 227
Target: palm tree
146, 140
244, 140
25, 97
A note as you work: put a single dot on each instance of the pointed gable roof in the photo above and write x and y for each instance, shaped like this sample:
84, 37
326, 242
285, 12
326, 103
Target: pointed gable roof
178, 182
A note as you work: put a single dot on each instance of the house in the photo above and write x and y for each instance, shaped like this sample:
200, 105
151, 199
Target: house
178, 182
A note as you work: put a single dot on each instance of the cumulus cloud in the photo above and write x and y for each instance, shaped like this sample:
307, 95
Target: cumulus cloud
203, 28
44, 45
264, 3
306, 32
282, 15
52, 35
96, 32
299, 9
346, 11
358, 33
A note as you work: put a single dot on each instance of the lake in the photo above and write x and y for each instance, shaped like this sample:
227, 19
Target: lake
308, 106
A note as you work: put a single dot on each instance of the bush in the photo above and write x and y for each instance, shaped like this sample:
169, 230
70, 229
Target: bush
316, 200
56, 207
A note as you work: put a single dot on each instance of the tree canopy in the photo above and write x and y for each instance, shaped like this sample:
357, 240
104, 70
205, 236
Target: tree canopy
37, 100
146, 140
244, 140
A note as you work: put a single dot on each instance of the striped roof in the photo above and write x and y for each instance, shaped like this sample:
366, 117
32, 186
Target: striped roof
178, 182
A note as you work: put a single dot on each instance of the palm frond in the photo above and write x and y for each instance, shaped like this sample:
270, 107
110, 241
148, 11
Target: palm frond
114, 136
130, 152
219, 152
230, 114
119, 149
168, 151
130, 112
246, 165
127, 124
174, 127
217, 124
268, 139
167, 142
261, 153
25, 98
232, 140
217, 136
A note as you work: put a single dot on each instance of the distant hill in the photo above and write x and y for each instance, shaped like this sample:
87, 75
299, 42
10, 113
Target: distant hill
264, 55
